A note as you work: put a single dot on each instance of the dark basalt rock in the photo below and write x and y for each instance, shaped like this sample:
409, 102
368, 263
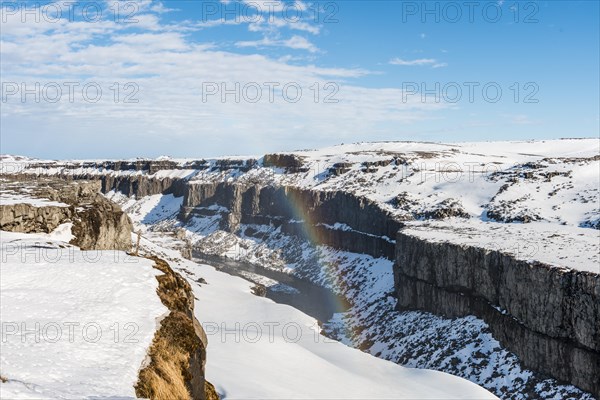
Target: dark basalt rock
446, 209
372, 229
291, 162
27, 218
549, 317
101, 224
339, 168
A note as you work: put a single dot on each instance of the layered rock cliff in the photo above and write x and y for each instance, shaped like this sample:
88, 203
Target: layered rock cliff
549, 316
307, 213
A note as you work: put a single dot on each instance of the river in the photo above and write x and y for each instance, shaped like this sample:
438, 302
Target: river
314, 300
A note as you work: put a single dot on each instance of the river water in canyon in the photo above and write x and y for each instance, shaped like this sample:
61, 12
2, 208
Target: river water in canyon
314, 300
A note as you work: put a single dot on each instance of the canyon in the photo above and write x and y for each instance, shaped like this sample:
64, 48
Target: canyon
442, 221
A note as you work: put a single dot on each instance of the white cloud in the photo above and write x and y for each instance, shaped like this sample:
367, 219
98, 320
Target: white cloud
154, 41
264, 24
295, 42
161, 9
418, 62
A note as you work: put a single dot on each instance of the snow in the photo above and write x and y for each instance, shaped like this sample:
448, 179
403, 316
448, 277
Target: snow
75, 324
462, 346
7, 199
150, 209
570, 247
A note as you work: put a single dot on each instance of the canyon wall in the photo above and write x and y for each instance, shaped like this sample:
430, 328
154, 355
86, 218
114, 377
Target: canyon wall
365, 228
549, 317
177, 356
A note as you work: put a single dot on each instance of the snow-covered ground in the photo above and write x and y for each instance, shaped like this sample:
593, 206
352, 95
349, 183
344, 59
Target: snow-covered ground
75, 324
7, 199
568, 247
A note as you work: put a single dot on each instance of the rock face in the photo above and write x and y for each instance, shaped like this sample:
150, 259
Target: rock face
101, 224
28, 218
366, 227
98, 223
290, 162
549, 317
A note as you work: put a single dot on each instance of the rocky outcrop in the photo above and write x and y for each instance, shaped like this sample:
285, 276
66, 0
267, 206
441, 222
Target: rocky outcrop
142, 185
29, 218
290, 162
176, 369
98, 223
549, 317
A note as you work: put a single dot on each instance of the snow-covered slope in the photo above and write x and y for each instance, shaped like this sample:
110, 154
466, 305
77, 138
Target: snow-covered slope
75, 324
259, 349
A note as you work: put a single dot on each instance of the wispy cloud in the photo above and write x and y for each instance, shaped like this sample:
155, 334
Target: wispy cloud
418, 62
295, 42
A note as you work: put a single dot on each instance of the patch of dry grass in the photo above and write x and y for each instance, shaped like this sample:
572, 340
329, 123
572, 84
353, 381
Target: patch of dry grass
210, 392
168, 375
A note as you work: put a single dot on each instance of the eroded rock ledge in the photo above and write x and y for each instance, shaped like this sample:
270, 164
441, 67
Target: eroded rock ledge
548, 316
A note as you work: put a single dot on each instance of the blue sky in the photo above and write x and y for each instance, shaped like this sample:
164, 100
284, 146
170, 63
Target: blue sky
373, 58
